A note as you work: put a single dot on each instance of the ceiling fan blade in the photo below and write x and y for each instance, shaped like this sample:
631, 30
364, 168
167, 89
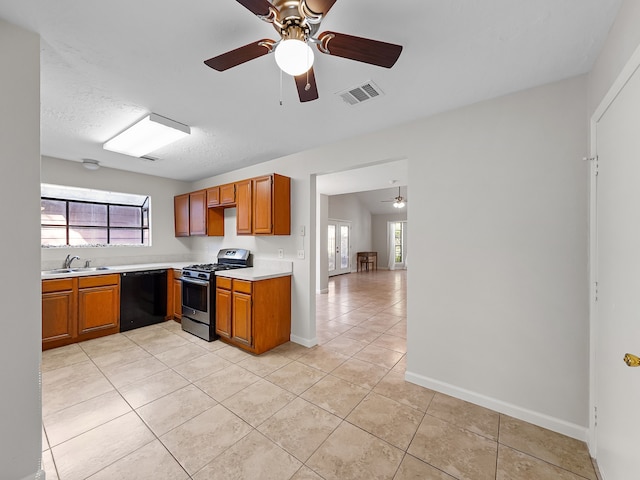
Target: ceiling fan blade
240, 55
310, 93
320, 6
257, 7
361, 49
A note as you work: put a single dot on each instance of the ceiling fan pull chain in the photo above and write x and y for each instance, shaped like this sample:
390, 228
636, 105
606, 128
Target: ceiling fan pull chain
308, 85
280, 87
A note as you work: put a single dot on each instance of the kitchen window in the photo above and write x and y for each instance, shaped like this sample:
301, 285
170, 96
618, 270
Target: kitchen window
72, 216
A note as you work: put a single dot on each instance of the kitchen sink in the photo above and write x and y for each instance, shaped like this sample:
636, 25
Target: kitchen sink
71, 270
58, 270
88, 269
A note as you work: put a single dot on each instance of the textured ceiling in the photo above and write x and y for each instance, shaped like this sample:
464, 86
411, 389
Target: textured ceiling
107, 64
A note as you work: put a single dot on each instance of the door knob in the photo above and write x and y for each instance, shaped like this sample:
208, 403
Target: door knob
631, 360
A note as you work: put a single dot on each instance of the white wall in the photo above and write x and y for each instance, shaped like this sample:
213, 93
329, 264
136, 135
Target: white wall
348, 207
503, 228
20, 415
502, 274
164, 245
380, 235
622, 41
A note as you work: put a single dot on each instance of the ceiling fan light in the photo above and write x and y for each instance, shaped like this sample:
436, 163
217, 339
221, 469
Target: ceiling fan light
398, 204
294, 57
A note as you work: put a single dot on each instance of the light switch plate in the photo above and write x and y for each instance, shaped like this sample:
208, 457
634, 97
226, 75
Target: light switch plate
301, 254
281, 253
301, 230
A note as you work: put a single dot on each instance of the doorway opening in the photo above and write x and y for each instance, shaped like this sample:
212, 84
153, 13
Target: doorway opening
339, 247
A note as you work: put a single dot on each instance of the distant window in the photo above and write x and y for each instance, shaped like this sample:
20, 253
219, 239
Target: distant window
398, 236
71, 216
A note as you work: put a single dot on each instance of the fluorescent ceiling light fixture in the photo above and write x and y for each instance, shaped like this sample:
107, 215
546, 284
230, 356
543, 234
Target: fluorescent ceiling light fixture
294, 56
149, 134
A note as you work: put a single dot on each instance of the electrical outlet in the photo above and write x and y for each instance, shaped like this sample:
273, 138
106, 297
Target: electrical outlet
281, 253
301, 254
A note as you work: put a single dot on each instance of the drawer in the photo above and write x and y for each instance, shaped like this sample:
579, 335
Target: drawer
57, 285
223, 282
242, 286
98, 280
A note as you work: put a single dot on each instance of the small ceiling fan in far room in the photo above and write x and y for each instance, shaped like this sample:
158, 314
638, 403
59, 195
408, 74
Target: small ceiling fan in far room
297, 22
398, 202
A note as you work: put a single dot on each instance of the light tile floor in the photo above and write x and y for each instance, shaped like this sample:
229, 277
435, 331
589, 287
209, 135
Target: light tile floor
158, 403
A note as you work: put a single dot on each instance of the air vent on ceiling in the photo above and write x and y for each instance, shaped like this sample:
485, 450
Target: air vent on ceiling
361, 93
149, 158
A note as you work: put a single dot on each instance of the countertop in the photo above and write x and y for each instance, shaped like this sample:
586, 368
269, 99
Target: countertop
254, 274
262, 271
45, 275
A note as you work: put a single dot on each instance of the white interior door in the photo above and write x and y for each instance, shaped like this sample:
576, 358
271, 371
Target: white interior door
617, 321
339, 247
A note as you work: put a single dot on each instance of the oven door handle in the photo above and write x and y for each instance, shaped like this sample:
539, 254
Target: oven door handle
197, 282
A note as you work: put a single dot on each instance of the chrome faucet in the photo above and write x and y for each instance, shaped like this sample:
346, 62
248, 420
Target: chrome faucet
68, 260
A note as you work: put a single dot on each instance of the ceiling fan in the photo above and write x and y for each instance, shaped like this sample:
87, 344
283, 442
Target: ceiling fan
297, 22
398, 202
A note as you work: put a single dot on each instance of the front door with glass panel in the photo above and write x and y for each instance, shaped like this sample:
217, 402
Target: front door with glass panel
339, 247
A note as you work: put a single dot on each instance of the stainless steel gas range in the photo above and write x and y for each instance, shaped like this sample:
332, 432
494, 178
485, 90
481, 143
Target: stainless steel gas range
199, 291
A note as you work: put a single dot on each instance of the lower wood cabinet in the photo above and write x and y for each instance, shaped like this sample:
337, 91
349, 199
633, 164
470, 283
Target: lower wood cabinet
98, 306
242, 318
223, 307
255, 316
59, 312
79, 308
176, 296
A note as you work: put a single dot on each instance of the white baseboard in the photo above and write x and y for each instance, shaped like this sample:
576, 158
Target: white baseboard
540, 419
305, 342
323, 291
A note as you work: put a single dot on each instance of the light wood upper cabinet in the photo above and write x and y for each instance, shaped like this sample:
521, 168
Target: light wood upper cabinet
198, 213
213, 196
271, 205
228, 194
181, 215
263, 207
243, 207
194, 217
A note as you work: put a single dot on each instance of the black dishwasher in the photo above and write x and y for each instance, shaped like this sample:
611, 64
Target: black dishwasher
143, 298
